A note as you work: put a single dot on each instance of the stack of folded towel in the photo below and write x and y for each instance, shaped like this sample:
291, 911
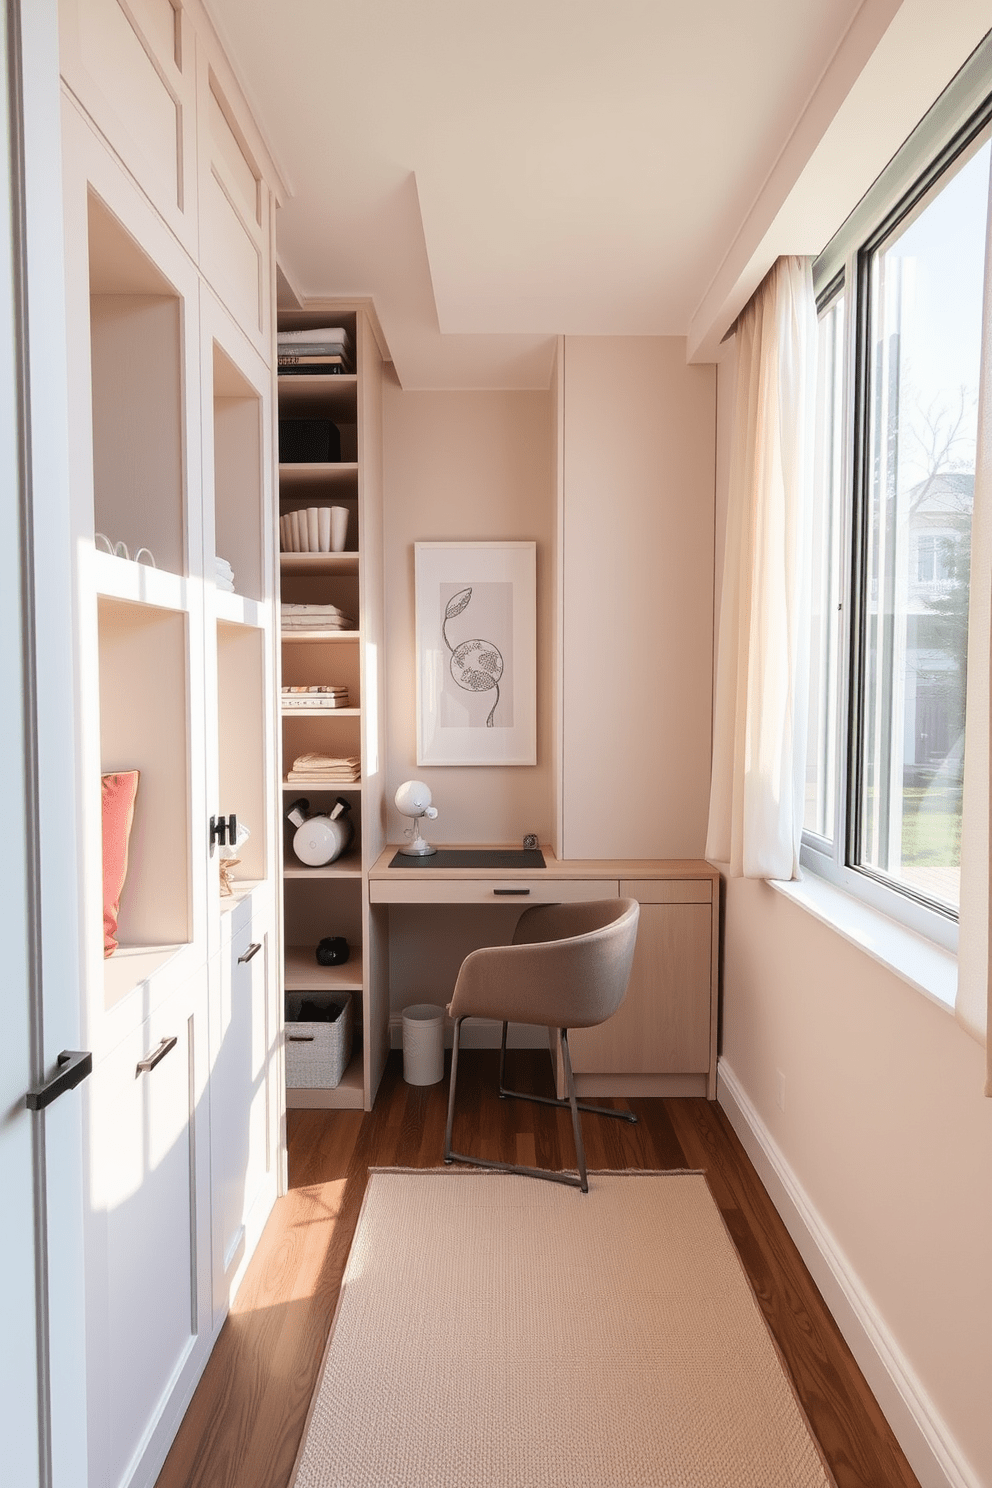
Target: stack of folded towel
315, 697
315, 617
316, 769
224, 575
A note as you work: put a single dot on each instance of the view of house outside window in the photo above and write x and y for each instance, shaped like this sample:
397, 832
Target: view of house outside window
925, 293
899, 364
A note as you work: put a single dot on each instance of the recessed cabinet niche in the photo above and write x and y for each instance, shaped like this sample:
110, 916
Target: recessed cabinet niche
238, 503
136, 348
143, 661
240, 743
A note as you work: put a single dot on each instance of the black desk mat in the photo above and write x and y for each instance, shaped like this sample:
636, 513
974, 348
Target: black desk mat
474, 857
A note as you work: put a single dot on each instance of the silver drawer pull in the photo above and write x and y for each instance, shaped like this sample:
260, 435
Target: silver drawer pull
511, 891
300, 1038
155, 1057
252, 950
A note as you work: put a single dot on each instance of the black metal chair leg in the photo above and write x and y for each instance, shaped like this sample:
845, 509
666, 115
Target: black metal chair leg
451, 1089
550, 1100
580, 1151
574, 1105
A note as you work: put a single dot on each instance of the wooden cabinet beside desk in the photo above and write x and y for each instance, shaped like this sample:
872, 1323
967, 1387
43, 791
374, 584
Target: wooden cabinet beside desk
663, 1039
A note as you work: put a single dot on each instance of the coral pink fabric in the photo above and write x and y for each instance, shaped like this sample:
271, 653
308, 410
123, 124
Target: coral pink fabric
119, 792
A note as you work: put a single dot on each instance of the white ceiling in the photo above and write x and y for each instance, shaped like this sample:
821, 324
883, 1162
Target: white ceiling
494, 175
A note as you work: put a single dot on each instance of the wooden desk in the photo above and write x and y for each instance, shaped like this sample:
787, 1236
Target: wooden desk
662, 1041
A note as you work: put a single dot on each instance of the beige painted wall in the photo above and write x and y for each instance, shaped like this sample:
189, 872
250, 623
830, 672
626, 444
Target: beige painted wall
885, 1128
470, 466
638, 455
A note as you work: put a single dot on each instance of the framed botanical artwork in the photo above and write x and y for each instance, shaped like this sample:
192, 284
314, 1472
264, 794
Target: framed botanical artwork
476, 653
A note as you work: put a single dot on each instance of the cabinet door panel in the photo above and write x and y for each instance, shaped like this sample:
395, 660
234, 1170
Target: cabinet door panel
140, 1243
234, 206
128, 66
663, 1025
240, 1104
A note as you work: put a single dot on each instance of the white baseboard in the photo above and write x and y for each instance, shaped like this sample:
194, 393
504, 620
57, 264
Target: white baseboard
921, 1431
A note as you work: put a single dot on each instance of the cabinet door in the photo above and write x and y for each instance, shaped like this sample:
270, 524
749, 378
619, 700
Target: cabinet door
142, 1249
241, 1101
663, 1025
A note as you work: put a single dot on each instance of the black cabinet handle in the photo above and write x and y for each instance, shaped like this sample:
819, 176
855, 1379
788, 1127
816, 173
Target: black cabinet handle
156, 1056
74, 1065
252, 950
224, 829
511, 891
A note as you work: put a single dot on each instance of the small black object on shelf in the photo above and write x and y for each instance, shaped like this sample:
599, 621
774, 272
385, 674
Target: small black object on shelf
309, 441
333, 950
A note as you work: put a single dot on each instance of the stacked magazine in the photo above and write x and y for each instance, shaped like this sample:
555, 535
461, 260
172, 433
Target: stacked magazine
315, 697
324, 351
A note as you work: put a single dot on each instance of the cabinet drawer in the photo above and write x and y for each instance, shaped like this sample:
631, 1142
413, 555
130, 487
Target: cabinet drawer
668, 891
426, 889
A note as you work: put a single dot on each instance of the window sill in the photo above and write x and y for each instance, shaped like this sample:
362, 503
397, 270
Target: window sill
926, 966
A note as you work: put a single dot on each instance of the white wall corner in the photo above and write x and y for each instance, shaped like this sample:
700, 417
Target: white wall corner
924, 1436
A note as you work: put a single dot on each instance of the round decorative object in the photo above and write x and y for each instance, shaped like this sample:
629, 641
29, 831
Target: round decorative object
413, 798
332, 951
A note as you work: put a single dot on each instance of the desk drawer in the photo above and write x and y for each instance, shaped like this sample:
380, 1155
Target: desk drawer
429, 888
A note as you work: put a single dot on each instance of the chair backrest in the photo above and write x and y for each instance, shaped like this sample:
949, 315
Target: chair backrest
568, 967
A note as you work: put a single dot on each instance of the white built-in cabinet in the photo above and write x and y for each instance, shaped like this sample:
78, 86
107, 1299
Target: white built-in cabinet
169, 200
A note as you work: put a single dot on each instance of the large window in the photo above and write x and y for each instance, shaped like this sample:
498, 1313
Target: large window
898, 388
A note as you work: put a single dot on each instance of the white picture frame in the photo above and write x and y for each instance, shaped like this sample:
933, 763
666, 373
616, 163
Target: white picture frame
476, 613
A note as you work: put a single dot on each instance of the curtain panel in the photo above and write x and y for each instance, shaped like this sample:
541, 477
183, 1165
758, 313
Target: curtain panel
760, 714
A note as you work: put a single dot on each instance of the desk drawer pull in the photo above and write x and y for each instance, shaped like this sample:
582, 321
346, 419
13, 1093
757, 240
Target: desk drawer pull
511, 891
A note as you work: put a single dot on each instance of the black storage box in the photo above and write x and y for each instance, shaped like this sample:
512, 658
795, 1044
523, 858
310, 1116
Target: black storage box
309, 441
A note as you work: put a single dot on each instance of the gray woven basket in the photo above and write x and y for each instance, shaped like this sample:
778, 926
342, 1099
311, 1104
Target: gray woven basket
317, 1054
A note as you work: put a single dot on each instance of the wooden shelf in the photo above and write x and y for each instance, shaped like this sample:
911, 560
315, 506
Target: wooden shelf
321, 712
319, 563
346, 867
324, 785
289, 636
348, 1096
305, 974
335, 394
331, 472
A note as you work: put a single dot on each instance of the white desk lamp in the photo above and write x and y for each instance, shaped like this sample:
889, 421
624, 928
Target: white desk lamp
414, 799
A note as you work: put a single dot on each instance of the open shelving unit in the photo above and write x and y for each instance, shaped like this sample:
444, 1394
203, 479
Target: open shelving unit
333, 899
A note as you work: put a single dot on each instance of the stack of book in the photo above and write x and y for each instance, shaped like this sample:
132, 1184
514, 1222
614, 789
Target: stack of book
324, 351
315, 697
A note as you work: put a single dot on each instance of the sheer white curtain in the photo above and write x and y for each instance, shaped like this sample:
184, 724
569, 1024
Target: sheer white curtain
974, 999
759, 737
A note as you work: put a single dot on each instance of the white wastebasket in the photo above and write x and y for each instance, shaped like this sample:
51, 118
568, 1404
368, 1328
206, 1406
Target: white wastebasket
423, 1044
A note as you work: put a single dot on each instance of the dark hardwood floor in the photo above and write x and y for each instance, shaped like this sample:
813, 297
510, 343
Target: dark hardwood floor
245, 1422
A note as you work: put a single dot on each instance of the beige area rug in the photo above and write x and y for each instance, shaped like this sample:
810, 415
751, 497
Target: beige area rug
501, 1332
